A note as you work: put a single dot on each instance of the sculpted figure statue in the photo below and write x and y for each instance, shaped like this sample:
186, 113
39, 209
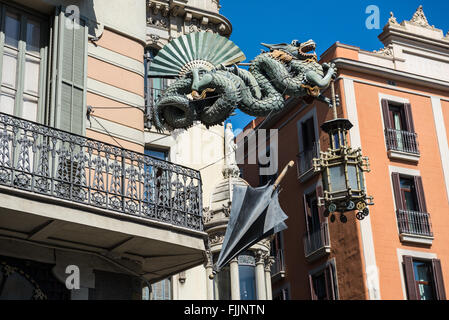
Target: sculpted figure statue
209, 86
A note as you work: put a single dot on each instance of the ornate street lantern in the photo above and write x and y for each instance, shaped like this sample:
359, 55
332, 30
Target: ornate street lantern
342, 171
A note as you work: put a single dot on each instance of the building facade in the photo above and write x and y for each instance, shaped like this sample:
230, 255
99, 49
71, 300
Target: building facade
80, 197
397, 98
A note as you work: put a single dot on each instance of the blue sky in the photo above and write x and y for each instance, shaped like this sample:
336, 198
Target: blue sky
277, 21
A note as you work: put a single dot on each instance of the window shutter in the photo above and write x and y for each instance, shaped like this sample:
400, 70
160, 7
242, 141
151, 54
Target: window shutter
71, 74
397, 191
410, 278
312, 289
307, 213
409, 117
420, 194
330, 282
386, 113
321, 209
438, 279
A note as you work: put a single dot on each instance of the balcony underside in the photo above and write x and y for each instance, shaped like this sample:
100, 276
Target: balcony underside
161, 249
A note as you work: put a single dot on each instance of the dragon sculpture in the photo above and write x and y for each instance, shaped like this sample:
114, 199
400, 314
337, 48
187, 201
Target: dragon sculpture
209, 86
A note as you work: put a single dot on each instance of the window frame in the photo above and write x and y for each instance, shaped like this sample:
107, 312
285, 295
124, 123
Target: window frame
24, 15
411, 282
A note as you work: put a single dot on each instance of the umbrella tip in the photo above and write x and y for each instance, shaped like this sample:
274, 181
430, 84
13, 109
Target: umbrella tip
213, 274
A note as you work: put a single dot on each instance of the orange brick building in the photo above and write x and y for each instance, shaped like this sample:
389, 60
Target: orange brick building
397, 98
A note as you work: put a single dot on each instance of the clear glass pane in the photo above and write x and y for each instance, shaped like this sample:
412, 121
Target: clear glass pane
31, 84
7, 103
337, 178
33, 36
29, 110
247, 277
352, 175
12, 30
9, 72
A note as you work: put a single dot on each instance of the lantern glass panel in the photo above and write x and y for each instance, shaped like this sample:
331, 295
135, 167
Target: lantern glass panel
352, 176
337, 178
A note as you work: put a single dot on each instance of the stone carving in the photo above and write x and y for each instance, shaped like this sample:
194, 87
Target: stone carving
387, 51
217, 238
392, 19
284, 70
420, 19
230, 169
159, 22
154, 38
195, 25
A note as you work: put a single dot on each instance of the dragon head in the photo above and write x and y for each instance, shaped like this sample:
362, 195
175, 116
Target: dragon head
299, 50
305, 48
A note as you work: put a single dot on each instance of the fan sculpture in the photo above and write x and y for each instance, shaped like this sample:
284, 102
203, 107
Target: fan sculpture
209, 85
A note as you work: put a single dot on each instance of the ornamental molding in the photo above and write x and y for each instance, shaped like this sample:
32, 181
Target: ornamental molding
159, 7
392, 20
158, 22
387, 51
420, 19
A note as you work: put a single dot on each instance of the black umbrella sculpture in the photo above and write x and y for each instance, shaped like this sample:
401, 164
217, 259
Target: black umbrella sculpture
255, 215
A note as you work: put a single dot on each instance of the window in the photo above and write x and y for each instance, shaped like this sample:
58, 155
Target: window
161, 290
22, 57
247, 276
154, 87
309, 146
316, 238
157, 153
263, 178
399, 127
322, 284
424, 279
277, 252
283, 294
411, 207
312, 213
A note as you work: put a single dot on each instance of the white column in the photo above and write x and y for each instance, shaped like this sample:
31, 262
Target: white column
235, 281
442, 139
268, 263
260, 277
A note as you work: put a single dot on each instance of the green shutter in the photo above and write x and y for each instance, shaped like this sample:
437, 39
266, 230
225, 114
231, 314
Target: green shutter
70, 70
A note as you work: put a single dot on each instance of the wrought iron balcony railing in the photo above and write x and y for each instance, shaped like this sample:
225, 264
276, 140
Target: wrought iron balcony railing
402, 141
316, 240
278, 265
304, 159
55, 163
414, 223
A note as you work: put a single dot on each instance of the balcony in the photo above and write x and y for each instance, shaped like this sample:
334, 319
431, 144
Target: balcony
415, 227
304, 162
278, 267
317, 243
402, 145
71, 191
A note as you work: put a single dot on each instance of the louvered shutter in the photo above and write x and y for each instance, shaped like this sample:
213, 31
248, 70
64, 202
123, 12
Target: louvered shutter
386, 114
438, 279
70, 82
410, 278
400, 205
330, 282
420, 194
409, 117
313, 295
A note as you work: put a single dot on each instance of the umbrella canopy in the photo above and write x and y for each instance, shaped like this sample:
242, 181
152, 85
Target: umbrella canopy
255, 215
